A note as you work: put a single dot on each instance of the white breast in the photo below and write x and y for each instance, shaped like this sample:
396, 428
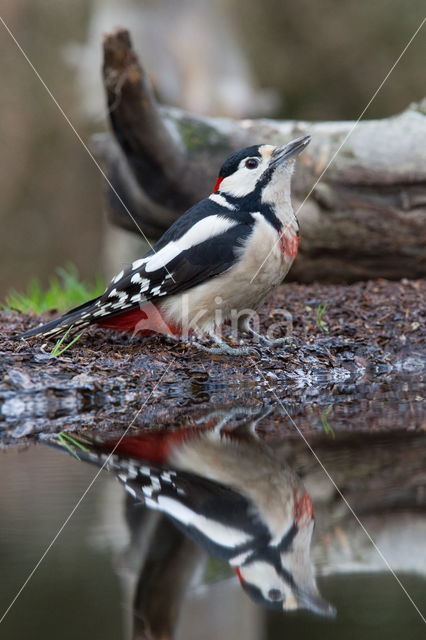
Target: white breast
244, 286
254, 471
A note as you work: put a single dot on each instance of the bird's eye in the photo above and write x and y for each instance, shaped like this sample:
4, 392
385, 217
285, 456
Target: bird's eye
274, 594
252, 163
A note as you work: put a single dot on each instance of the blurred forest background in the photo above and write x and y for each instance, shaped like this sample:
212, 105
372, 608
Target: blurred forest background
277, 58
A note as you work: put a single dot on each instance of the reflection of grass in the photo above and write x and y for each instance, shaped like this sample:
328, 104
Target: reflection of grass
216, 570
57, 351
321, 309
70, 443
65, 290
327, 428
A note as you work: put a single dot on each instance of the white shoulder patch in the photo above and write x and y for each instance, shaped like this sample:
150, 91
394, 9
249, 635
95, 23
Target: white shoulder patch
203, 230
220, 533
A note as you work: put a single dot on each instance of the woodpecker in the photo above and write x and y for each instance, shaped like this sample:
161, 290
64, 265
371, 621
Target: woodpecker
221, 257
231, 494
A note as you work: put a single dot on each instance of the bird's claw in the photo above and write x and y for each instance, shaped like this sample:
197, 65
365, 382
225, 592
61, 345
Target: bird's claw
269, 342
277, 342
223, 348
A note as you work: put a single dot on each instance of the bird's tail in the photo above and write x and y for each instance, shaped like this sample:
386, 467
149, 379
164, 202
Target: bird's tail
71, 322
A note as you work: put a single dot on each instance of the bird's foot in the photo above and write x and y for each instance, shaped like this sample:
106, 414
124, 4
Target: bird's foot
248, 417
269, 342
223, 348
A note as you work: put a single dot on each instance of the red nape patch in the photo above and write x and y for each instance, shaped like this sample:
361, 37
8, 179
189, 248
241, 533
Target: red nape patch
144, 321
217, 184
289, 244
153, 447
238, 574
303, 509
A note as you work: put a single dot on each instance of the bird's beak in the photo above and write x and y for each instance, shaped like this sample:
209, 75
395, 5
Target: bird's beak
313, 602
289, 150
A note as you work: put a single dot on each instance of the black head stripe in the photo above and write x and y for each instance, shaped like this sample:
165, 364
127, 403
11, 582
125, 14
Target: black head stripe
257, 596
287, 540
231, 164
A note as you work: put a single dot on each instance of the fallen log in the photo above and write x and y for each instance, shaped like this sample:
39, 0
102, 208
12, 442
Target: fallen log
364, 218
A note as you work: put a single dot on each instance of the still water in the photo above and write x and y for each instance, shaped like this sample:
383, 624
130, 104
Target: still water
208, 532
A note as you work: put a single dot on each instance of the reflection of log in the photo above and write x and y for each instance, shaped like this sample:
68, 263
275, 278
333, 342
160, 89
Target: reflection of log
383, 478
386, 471
364, 219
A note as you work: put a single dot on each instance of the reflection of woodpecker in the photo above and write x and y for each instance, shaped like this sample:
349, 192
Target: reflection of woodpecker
232, 495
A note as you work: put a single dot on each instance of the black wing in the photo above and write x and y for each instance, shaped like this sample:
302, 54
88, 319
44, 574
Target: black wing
218, 518
194, 265
195, 503
190, 267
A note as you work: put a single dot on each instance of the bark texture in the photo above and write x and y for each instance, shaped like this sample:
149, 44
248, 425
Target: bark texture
364, 218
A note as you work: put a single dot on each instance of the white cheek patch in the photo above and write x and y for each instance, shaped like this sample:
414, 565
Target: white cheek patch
203, 230
243, 180
264, 576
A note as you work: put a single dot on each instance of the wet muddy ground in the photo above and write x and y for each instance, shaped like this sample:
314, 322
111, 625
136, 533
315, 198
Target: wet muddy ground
356, 362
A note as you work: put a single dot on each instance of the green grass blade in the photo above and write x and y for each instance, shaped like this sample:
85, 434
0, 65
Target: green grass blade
327, 428
64, 291
57, 351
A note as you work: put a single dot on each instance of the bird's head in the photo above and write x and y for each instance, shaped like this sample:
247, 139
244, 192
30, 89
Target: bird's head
282, 577
260, 172
267, 586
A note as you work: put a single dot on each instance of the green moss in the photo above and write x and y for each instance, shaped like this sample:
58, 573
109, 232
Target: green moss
198, 136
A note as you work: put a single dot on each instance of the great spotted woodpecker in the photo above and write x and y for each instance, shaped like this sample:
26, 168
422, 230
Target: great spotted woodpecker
222, 256
231, 494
